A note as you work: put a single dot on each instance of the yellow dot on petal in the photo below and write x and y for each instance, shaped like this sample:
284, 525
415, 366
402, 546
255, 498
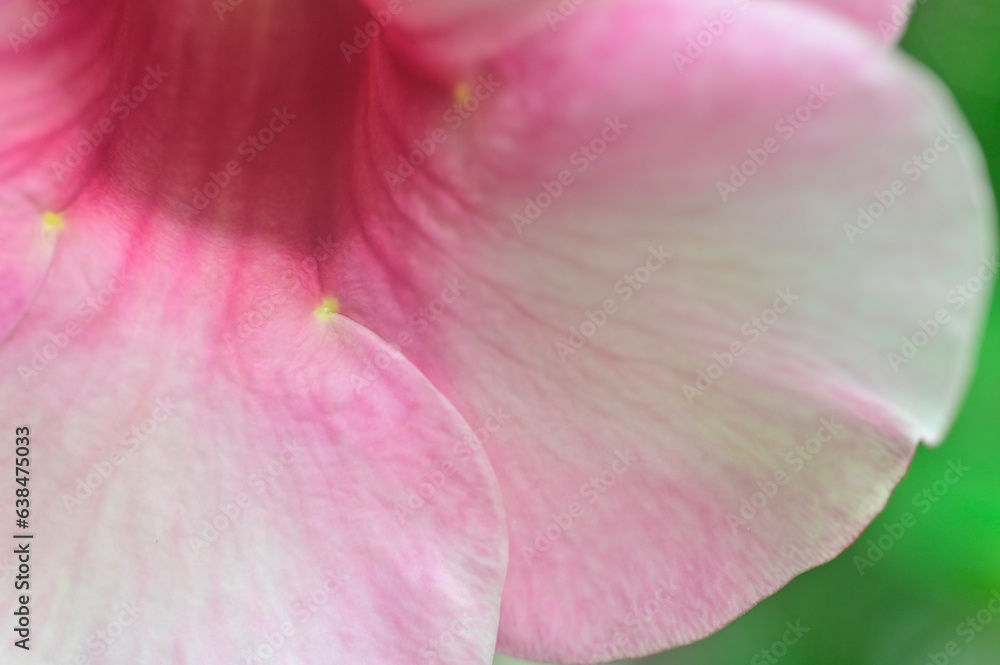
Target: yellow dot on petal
327, 309
53, 221
462, 92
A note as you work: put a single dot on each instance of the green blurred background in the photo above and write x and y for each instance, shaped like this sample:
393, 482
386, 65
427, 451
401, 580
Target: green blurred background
944, 569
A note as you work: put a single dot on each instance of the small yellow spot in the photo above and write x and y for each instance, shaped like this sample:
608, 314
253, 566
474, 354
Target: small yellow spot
462, 92
53, 221
327, 309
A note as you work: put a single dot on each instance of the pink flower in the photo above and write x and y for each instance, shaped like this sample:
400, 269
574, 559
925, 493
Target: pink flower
332, 327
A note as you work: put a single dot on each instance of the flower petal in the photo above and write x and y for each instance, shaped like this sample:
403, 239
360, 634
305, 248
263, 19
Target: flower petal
26, 245
453, 36
885, 18
27, 233
568, 255
176, 106
206, 485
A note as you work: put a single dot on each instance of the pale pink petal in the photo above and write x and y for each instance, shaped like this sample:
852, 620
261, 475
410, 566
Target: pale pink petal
455, 36
206, 484
29, 121
481, 302
212, 310
435, 266
885, 18
26, 244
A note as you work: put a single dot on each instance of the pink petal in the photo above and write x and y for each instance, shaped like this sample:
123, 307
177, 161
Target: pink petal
28, 120
207, 485
446, 234
26, 246
451, 37
455, 36
480, 307
179, 108
885, 18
